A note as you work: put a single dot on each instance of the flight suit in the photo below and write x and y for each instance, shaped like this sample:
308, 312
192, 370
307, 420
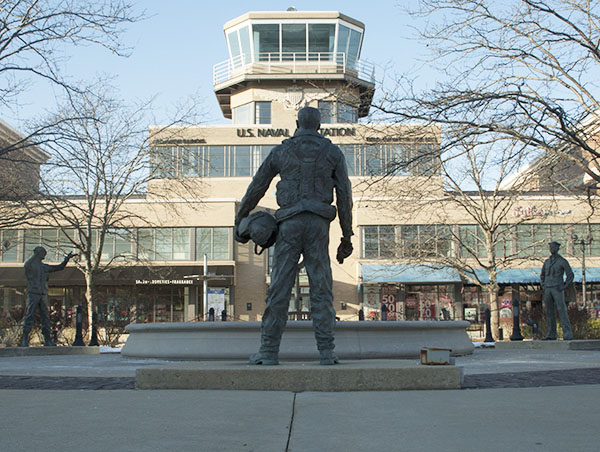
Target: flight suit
311, 168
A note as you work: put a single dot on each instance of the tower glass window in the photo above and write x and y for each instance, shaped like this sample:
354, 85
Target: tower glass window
243, 114
321, 39
349, 43
234, 45
245, 44
263, 113
266, 41
293, 41
326, 108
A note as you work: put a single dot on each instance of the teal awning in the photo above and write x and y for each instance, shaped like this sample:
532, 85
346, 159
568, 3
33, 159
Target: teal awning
532, 275
511, 276
415, 274
407, 274
592, 274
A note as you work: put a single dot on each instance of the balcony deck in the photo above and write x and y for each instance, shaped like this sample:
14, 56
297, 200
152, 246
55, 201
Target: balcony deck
290, 66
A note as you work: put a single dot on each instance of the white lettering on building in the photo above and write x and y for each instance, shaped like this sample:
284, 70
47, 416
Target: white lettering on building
533, 211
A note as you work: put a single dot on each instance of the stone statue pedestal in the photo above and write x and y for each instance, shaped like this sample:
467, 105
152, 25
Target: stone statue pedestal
238, 340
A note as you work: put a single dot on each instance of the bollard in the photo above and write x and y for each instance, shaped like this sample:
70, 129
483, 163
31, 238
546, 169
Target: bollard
361, 315
516, 334
223, 315
488, 326
94, 338
78, 329
211, 315
383, 312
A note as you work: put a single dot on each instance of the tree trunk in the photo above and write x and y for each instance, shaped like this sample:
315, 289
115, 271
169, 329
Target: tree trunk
495, 317
89, 291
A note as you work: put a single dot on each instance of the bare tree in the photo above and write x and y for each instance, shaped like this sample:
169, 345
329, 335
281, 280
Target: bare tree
468, 206
35, 33
35, 37
100, 162
524, 70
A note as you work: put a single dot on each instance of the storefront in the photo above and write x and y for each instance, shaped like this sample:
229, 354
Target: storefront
129, 294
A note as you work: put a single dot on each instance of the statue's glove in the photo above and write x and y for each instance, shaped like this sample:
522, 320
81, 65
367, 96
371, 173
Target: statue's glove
344, 249
236, 236
69, 256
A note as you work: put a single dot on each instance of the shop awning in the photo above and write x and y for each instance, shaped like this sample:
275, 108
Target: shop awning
532, 275
415, 274
511, 276
405, 274
592, 274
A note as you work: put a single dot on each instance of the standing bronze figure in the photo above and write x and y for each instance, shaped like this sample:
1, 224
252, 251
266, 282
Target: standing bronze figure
554, 287
36, 273
311, 168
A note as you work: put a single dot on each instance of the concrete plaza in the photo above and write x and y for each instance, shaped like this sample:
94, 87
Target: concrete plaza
548, 410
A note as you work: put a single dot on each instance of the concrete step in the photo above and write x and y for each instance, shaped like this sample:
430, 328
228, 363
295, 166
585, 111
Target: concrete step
48, 351
358, 375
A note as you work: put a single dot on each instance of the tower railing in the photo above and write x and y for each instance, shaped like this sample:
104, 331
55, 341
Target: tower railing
281, 63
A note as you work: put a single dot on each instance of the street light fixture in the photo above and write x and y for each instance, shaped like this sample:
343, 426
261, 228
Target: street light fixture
582, 242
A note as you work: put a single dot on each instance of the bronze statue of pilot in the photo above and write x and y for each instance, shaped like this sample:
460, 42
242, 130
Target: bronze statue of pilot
311, 168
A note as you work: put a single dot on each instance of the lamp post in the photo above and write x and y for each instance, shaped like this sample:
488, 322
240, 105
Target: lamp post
583, 241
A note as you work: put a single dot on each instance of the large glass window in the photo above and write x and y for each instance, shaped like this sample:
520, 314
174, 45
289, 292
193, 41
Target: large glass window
242, 161
214, 242
243, 114
234, 45
327, 110
337, 112
471, 241
398, 160
117, 244
293, 41
232, 161
346, 113
245, 43
216, 161
353, 48
164, 244
350, 155
524, 239
349, 43
55, 241
374, 163
9, 245
253, 113
379, 241
266, 41
263, 113
190, 161
595, 245
320, 41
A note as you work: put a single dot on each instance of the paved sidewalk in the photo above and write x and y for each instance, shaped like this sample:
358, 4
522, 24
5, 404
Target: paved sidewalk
559, 417
485, 368
554, 419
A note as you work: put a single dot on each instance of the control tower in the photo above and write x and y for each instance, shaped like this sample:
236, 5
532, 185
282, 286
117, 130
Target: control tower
281, 61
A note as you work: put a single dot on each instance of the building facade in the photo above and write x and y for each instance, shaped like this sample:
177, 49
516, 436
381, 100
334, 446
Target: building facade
176, 267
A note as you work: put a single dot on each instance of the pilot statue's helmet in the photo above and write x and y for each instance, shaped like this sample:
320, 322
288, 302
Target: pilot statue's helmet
261, 228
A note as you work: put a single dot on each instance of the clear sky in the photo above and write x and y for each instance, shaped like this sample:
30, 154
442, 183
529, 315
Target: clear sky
175, 48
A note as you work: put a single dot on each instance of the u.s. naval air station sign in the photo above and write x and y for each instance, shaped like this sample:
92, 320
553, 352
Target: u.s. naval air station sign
264, 133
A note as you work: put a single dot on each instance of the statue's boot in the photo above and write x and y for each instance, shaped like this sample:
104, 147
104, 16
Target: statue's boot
328, 358
264, 358
48, 341
25, 341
